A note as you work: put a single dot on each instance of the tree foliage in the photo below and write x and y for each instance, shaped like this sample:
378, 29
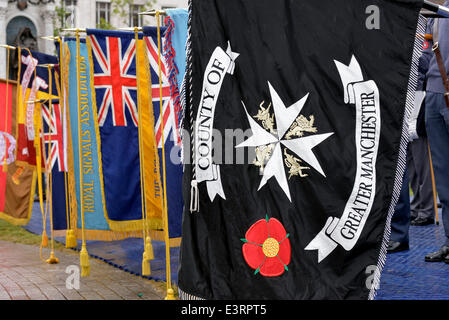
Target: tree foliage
119, 8
122, 8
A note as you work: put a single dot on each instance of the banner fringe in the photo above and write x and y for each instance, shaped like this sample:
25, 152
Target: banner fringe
169, 54
186, 296
14, 221
186, 86
23, 221
134, 225
102, 235
402, 158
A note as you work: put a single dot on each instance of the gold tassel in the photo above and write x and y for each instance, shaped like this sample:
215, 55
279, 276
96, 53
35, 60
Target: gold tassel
149, 248
52, 259
146, 267
170, 294
84, 262
44, 239
148, 255
70, 239
5, 165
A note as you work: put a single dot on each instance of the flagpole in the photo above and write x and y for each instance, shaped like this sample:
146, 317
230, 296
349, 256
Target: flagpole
135, 29
70, 234
52, 259
39, 158
84, 255
5, 163
435, 8
170, 292
37, 141
75, 30
37, 147
7, 46
153, 13
148, 249
69, 243
434, 189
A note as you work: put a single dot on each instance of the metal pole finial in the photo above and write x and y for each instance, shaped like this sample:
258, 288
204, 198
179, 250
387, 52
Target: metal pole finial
153, 12
133, 29
50, 38
74, 30
7, 46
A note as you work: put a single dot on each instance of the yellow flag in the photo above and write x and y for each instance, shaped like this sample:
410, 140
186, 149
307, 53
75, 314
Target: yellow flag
153, 186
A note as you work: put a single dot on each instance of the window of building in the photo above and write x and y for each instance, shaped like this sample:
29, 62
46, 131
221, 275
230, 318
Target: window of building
135, 20
103, 10
69, 7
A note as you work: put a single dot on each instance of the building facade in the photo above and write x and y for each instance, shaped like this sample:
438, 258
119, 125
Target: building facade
90, 13
24, 22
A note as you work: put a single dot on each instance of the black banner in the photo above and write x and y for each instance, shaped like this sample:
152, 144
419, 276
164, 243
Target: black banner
316, 92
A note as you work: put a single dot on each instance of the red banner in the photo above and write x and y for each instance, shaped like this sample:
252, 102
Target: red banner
17, 183
6, 94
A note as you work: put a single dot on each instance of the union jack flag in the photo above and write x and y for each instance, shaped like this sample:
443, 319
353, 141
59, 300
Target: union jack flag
54, 136
169, 114
117, 77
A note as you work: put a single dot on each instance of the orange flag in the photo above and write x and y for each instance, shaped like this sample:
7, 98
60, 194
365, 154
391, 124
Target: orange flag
17, 184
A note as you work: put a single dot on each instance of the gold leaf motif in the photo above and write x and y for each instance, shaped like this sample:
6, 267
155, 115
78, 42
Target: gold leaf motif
294, 164
266, 118
300, 126
263, 154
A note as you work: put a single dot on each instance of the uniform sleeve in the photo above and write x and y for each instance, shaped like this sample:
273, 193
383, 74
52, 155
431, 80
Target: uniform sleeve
424, 60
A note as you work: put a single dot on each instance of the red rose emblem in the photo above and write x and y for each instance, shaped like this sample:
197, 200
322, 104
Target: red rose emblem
267, 248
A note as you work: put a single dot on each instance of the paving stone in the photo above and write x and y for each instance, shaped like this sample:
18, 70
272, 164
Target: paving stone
70, 294
4, 295
23, 276
18, 294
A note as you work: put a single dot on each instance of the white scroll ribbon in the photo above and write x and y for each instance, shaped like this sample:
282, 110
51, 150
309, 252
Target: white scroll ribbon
220, 64
38, 83
5, 151
346, 230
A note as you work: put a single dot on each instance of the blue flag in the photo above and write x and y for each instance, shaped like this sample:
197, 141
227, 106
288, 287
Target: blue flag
82, 114
115, 81
177, 19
